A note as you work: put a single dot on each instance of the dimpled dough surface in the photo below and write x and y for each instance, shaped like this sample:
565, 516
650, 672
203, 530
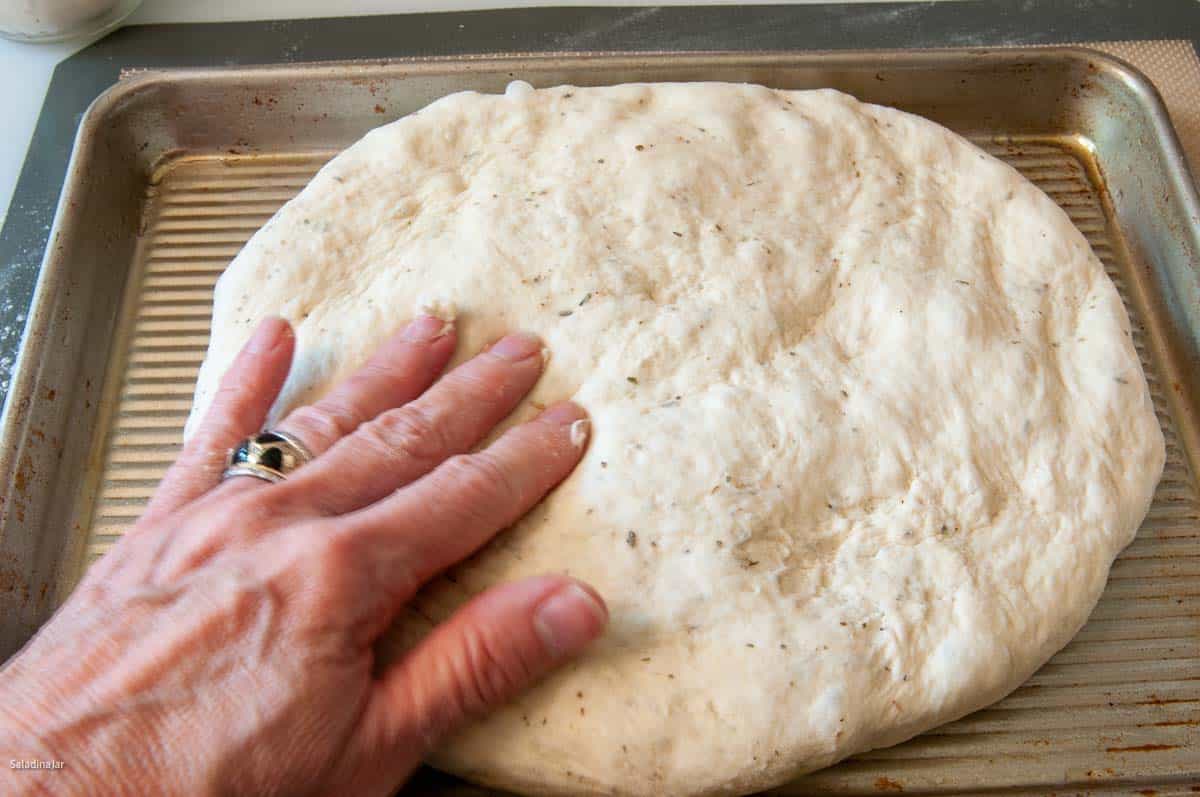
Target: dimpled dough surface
869, 428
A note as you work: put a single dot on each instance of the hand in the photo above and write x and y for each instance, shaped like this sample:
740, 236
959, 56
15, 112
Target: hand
225, 645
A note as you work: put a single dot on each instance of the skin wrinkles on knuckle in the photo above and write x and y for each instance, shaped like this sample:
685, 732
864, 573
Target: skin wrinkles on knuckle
483, 675
323, 421
482, 486
408, 433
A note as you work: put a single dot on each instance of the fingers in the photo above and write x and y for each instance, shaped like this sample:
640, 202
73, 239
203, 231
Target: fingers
492, 649
402, 369
403, 444
447, 515
246, 393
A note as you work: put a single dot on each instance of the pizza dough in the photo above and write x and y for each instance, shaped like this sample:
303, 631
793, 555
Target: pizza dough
869, 428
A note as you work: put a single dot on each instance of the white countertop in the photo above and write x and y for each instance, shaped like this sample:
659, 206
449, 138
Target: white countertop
27, 67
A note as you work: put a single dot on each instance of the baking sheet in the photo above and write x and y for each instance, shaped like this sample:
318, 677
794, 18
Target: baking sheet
198, 160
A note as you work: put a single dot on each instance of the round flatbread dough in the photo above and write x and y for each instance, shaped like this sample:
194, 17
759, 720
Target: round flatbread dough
869, 428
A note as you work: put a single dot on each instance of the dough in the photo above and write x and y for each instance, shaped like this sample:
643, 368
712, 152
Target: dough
869, 428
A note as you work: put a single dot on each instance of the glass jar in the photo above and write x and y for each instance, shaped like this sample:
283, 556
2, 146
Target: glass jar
59, 20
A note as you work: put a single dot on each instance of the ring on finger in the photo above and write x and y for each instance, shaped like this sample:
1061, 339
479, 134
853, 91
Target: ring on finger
269, 455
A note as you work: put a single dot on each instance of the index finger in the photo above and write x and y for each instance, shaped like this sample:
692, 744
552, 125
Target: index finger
400, 370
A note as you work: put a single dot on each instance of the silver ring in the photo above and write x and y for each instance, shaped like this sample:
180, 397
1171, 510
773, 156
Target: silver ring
269, 455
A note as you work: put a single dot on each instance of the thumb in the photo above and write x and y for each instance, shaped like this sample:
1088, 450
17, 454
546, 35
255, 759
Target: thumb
492, 649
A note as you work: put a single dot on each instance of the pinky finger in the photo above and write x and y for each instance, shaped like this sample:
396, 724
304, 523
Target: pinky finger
239, 408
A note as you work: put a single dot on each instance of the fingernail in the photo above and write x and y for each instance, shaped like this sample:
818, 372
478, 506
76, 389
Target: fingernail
564, 412
580, 430
427, 328
267, 335
518, 346
569, 619
569, 413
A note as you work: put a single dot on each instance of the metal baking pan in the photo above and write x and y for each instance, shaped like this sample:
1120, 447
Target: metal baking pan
172, 171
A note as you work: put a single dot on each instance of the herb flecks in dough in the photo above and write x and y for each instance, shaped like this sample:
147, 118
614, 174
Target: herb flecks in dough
806, 402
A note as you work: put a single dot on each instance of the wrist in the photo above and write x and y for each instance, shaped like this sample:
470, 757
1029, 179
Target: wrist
47, 749
28, 765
